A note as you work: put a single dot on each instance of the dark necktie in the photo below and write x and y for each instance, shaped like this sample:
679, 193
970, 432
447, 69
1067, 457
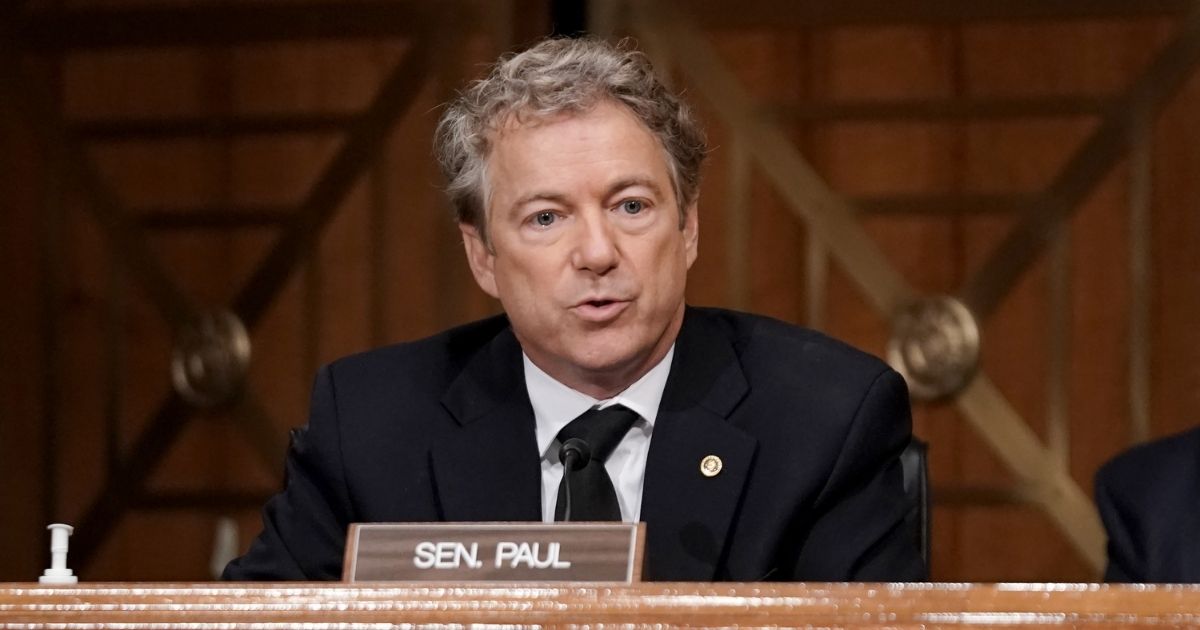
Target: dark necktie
592, 495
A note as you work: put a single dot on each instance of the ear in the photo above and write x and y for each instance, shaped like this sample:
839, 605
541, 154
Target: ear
691, 232
481, 259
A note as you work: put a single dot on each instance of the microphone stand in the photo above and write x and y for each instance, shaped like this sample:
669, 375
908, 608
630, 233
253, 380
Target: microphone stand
574, 455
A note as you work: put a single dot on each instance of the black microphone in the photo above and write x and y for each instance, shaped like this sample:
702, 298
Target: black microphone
574, 455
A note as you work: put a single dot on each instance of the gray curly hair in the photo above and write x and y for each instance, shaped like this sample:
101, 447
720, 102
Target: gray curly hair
559, 76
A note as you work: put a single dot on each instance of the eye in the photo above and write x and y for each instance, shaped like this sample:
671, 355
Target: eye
632, 206
544, 218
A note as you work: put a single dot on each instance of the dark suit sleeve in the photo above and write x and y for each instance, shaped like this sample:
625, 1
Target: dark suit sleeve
860, 532
1126, 562
304, 526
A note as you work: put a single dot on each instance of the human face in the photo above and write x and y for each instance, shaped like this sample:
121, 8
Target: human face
586, 253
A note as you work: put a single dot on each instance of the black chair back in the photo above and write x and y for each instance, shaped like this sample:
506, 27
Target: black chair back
916, 488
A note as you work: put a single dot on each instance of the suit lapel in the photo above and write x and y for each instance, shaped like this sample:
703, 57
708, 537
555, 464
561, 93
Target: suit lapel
687, 513
487, 469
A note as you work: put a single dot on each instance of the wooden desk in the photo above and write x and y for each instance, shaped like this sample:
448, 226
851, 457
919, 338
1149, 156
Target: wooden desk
245, 605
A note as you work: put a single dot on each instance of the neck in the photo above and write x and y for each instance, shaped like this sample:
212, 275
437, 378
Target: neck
607, 382
605, 385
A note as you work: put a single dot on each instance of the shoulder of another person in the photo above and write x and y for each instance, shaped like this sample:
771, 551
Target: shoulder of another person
1177, 454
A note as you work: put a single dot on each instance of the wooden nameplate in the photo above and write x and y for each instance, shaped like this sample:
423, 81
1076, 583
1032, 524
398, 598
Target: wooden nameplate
494, 552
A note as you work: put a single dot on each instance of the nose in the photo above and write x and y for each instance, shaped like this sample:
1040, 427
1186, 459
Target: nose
595, 248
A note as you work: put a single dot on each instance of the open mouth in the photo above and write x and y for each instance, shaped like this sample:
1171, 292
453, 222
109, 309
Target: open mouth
600, 310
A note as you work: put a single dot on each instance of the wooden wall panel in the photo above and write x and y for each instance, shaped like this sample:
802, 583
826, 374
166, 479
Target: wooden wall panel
709, 277
863, 159
81, 435
1036, 58
1101, 300
769, 69
1175, 256
131, 83
938, 253
417, 288
777, 264
22, 327
325, 311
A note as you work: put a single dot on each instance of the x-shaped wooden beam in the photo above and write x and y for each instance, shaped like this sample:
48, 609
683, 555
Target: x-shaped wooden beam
362, 143
832, 218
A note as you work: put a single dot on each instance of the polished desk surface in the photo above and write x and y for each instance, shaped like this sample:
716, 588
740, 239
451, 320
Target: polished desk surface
657, 605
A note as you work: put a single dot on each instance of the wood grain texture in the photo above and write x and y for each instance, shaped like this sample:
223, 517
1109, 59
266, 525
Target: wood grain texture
664, 605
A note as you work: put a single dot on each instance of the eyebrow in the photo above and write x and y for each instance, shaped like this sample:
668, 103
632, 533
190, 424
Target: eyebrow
631, 182
612, 190
541, 196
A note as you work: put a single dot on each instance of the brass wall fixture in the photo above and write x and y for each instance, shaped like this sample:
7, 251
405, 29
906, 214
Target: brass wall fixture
935, 345
210, 359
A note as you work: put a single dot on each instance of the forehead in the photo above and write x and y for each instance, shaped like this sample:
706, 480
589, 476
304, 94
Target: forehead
570, 152
604, 125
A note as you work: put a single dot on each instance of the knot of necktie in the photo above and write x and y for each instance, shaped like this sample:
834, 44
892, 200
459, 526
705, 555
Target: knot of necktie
601, 429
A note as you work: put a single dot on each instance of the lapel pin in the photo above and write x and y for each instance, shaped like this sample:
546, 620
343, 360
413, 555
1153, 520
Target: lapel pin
711, 466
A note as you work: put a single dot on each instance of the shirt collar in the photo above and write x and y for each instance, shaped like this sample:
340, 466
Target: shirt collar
555, 404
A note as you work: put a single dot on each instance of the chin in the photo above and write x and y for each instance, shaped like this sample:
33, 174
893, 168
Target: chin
608, 359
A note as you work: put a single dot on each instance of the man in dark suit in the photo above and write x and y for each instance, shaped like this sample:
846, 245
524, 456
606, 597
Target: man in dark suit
752, 449
1148, 499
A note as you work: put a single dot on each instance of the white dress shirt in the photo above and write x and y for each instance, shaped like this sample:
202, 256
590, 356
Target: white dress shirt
555, 405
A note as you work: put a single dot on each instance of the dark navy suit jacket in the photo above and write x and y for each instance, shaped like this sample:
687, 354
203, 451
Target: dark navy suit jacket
1149, 500
809, 431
